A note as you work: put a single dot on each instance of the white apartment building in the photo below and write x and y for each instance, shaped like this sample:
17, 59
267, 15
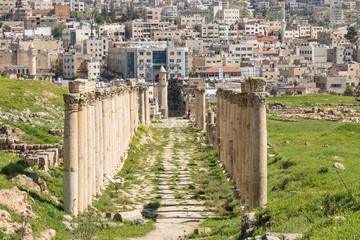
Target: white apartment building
229, 15
313, 53
73, 36
243, 49
115, 31
255, 28
98, 48
227, 32
93, 68
77, 6
169, 11
189, 21
43, 5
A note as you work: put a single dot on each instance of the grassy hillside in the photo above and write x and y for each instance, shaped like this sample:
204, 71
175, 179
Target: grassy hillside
301, 175
27, 96
296, 101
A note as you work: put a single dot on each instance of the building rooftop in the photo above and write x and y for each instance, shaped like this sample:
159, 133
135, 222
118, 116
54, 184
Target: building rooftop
226, 69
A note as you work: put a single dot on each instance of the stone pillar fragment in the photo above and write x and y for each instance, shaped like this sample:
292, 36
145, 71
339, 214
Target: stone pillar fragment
142, 105
70, 178
147, 106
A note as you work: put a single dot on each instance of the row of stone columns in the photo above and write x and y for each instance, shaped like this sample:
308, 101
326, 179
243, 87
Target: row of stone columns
241, 139
200, 108
99, 125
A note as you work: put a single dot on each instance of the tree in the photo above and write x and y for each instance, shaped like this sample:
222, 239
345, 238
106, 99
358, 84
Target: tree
57, 32
349, 91
175, 98
351, 34
264, 13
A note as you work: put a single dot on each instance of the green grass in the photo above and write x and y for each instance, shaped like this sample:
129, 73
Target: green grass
37, 96
124, 231
211, 186
296, 101
21, 94
301, 189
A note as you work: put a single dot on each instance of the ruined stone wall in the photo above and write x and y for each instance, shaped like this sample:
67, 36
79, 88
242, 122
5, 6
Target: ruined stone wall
240, 139
99, 125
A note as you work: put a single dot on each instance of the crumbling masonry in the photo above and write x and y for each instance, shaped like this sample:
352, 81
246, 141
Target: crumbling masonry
240, 137
99, 125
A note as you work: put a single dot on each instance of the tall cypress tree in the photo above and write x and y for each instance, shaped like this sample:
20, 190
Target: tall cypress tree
175, 98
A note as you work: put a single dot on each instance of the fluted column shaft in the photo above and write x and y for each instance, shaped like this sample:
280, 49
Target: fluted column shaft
70, 177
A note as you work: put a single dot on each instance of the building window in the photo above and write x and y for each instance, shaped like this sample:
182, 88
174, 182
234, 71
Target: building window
159, 57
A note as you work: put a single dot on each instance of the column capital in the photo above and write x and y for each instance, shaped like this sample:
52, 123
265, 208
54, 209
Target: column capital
72, 101
91, 97
99, 94
256, 84
259, 100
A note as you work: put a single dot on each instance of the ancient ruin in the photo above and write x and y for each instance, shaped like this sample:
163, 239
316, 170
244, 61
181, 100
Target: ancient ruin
239, 137
99, 125
200, 118
162, 92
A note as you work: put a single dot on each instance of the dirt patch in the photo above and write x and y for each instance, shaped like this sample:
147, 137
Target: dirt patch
16, 200
26, 182
49, 94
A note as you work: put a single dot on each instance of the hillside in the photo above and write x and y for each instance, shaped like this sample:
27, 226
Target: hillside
31, 109
34, 107
305, 190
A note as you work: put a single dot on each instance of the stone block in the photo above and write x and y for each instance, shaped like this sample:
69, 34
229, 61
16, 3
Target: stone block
128, 216
43, 161
202, 230
78, 86
56, 156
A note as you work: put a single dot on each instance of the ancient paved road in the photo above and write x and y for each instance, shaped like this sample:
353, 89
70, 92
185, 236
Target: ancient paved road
178, 214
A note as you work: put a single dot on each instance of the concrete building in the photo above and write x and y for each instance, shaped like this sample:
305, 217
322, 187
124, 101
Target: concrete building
336, 17
144, 62
228, 15
6, 6
97, 48
151, 14
190, 21
43, 5
62, 11
114, 31
77, 6
210, 32
169, 12
143, 30
313, 53
328, 84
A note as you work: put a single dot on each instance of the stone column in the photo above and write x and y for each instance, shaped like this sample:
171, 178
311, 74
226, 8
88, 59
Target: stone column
82, 148
99, 127
70, 178
142, 105
93, 145
120, 121
90, 165
113, 132
202, 108
211, 117
147, 106
259, 143
106, 116
218, 121
97, 145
